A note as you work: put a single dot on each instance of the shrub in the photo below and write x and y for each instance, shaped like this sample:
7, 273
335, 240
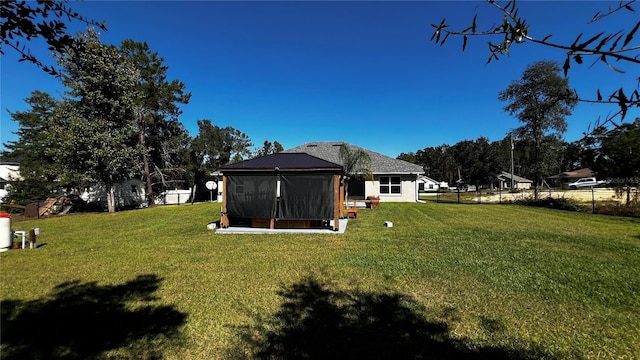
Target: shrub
555, 203
630, 210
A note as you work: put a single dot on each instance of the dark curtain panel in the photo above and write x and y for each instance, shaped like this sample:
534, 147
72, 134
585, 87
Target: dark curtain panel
251, 196
306, 197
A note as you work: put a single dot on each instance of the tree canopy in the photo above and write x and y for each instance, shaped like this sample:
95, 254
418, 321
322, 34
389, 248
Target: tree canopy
511, 28
541, 100
28, 20
96, 132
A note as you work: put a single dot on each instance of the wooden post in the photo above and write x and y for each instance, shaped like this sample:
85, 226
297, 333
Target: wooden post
224, 219
342, 204
32, 239
272, 224
337, 203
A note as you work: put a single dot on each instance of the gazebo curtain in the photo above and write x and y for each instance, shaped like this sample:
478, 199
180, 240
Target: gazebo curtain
306, 196
251, 196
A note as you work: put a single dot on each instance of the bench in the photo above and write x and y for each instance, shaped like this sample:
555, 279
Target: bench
352, 212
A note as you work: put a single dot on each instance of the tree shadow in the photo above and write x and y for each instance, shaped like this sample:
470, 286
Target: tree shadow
315, 322
85, 320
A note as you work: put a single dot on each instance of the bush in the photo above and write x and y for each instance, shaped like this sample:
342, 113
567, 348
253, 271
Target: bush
631, 210
555, 203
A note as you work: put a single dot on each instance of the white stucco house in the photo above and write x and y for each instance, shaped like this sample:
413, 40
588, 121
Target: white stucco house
9, 171
426, 184
393, 180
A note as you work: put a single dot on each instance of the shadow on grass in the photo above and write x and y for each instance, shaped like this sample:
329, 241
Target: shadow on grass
315, 322
85, 320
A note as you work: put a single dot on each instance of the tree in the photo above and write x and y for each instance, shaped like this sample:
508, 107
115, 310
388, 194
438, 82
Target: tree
95, 128
268, 148
215, 146
157, 115
355, 161
28, 20
617, 156
37, 168
514, 29
541, 100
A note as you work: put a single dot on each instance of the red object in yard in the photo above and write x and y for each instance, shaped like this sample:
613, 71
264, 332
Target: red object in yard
6, 235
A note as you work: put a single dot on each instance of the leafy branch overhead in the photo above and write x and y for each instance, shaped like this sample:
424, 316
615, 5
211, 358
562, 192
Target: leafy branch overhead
604, 47
28, 20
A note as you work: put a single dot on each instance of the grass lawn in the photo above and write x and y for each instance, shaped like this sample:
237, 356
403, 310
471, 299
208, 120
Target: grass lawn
447, 280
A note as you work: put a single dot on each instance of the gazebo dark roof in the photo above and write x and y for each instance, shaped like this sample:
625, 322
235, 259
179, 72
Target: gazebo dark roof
283, 162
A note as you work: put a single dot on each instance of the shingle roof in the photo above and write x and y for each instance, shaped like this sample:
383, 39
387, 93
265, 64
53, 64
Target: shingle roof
507, 176
380, 164
283, 161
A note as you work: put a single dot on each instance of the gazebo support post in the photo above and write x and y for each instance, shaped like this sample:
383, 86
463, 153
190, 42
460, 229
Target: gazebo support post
337, 202
224, 219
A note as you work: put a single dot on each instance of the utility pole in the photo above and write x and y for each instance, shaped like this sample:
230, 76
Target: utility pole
511, 161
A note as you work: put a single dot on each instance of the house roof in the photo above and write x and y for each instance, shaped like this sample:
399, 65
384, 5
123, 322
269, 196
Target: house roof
380, 164
507, 176
283, 162
580, 173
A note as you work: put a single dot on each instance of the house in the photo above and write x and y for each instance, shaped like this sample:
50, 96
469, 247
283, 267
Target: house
569, 176
9, 171
393, 180
518, 182
129, 194
426, 184
283, 190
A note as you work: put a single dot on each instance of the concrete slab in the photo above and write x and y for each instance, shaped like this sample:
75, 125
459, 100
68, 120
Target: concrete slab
249, 230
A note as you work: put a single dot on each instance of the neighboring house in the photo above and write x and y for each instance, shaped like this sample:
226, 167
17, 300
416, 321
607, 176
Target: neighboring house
9, 171
283, 190
129, 194
426, 184
393, 180
569, 176
518, 181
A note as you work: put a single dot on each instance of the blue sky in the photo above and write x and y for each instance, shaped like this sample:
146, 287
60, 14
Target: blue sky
361, 72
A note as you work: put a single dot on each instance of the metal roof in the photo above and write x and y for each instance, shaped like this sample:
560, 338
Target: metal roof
283, 162
380, 164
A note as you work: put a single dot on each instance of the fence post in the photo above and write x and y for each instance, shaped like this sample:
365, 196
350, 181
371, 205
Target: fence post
593, 201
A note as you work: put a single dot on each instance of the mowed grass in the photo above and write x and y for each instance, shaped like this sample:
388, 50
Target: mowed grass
447, 280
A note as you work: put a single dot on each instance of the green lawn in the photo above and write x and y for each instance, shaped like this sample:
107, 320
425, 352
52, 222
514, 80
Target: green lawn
447, 280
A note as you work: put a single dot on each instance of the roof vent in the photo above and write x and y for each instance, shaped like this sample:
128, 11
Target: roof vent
312, 145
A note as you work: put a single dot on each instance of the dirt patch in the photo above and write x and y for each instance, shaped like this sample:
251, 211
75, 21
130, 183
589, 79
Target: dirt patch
578, 195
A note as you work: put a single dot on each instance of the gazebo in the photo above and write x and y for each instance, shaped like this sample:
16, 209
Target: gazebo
283, 190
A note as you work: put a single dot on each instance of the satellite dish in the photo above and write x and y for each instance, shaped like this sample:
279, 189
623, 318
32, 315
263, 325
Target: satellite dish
211, 185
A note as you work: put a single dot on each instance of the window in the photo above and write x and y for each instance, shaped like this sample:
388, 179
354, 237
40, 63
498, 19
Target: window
390, 185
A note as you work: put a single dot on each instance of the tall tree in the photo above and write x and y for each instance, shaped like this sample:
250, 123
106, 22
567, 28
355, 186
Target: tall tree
268, 148
215, 146
617, 157
540, 100
157, 111
511, 29
38, 169
355, 161
96, 129
28, 20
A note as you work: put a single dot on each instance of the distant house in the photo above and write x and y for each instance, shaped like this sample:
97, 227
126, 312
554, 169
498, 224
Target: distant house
569, 176
9, 171
426, 184
518, 181
129, 194
393, 180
